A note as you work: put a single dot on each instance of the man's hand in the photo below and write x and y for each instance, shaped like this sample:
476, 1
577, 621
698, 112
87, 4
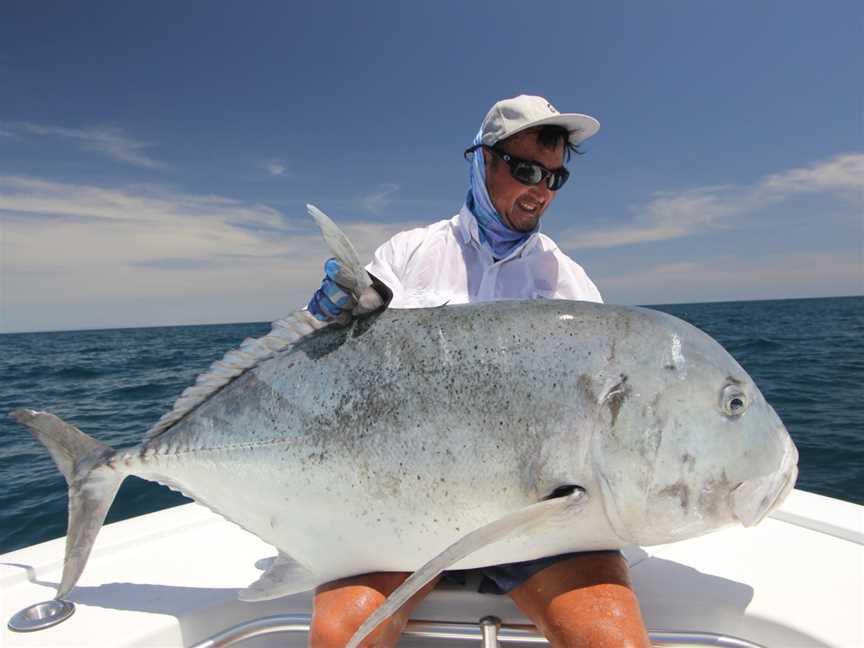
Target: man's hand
330, 302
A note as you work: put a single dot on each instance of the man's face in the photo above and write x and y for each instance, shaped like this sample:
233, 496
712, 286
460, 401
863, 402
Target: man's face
521, 205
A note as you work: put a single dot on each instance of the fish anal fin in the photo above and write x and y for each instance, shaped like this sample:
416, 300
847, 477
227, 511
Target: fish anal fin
283, 576
510, 525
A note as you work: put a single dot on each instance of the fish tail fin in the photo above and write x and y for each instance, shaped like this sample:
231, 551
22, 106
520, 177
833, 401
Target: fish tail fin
92, 484
370, 293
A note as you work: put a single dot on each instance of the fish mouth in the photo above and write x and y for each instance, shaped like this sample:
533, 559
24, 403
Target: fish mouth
754, 499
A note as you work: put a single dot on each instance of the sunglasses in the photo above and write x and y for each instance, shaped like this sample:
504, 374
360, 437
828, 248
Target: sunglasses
528, 172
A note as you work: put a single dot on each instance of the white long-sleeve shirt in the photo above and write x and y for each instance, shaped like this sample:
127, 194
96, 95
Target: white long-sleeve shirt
445, 263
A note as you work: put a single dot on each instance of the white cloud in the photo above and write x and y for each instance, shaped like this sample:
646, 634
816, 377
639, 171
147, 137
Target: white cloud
84, 256
274, 167
28, 195
108, 141
844, 173
725, 278
672, 215
377, 201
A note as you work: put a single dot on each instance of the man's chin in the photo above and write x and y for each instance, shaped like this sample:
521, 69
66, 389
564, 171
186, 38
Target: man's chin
524, 223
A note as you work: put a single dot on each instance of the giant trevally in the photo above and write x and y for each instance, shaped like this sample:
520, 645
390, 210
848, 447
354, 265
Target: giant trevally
470, 435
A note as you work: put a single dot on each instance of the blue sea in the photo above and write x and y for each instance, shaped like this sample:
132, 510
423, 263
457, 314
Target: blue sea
806, 355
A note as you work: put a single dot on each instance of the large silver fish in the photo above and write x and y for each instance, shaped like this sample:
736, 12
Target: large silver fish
470, 435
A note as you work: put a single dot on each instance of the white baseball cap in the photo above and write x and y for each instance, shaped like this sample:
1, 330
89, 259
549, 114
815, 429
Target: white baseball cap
509, 116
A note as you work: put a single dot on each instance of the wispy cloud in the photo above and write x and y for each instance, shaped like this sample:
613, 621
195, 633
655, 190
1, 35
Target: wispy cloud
671, 215
134, 256
141, 205
723, 278
842, 174
172, 264
112, 142
377, 201
274, 167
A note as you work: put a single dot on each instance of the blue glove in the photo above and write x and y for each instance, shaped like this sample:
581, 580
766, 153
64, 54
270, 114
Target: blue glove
330, 300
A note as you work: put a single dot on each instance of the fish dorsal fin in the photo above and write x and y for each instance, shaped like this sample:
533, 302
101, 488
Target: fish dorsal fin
285, 332
520, 521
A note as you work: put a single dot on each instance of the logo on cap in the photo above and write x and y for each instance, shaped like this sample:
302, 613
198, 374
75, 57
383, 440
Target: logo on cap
551, 107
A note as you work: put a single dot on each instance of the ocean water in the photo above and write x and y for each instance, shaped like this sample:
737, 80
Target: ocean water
806, 355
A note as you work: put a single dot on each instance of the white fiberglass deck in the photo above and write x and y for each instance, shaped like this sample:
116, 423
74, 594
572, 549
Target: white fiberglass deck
171, 578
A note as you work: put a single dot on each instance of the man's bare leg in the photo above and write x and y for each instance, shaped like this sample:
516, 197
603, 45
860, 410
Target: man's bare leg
584, 602
342, 606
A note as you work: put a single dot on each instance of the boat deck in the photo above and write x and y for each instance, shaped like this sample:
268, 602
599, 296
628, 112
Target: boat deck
171, 578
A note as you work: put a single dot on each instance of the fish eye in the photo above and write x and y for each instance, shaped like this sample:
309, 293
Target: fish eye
734, 401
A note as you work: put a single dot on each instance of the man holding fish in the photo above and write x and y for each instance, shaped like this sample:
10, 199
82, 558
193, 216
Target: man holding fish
492, 250
559, 425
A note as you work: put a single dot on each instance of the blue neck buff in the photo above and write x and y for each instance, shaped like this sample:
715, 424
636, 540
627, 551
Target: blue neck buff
500, 239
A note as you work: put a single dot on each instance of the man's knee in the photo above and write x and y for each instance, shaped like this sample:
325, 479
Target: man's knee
585, 601
340, 608
609, 633
335, 630
329, 632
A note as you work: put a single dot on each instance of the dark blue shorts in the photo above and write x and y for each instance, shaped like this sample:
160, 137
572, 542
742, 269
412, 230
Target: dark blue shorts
501, 579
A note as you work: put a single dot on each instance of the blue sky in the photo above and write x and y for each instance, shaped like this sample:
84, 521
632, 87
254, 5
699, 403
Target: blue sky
155, 157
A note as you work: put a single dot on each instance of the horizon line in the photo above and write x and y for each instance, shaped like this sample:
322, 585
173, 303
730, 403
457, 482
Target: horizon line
155, 326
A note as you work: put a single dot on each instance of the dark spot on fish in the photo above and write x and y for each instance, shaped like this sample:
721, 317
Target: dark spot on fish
586, 386
679, 490
713, 497
616, 396
322, 343
670, 367
689, 461
362, 324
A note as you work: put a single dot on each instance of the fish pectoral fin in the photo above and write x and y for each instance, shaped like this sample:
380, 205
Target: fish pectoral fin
510, 525
284, 576
352, 274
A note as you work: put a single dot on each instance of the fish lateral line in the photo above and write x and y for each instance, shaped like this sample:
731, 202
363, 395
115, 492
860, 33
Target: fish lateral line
151, 451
